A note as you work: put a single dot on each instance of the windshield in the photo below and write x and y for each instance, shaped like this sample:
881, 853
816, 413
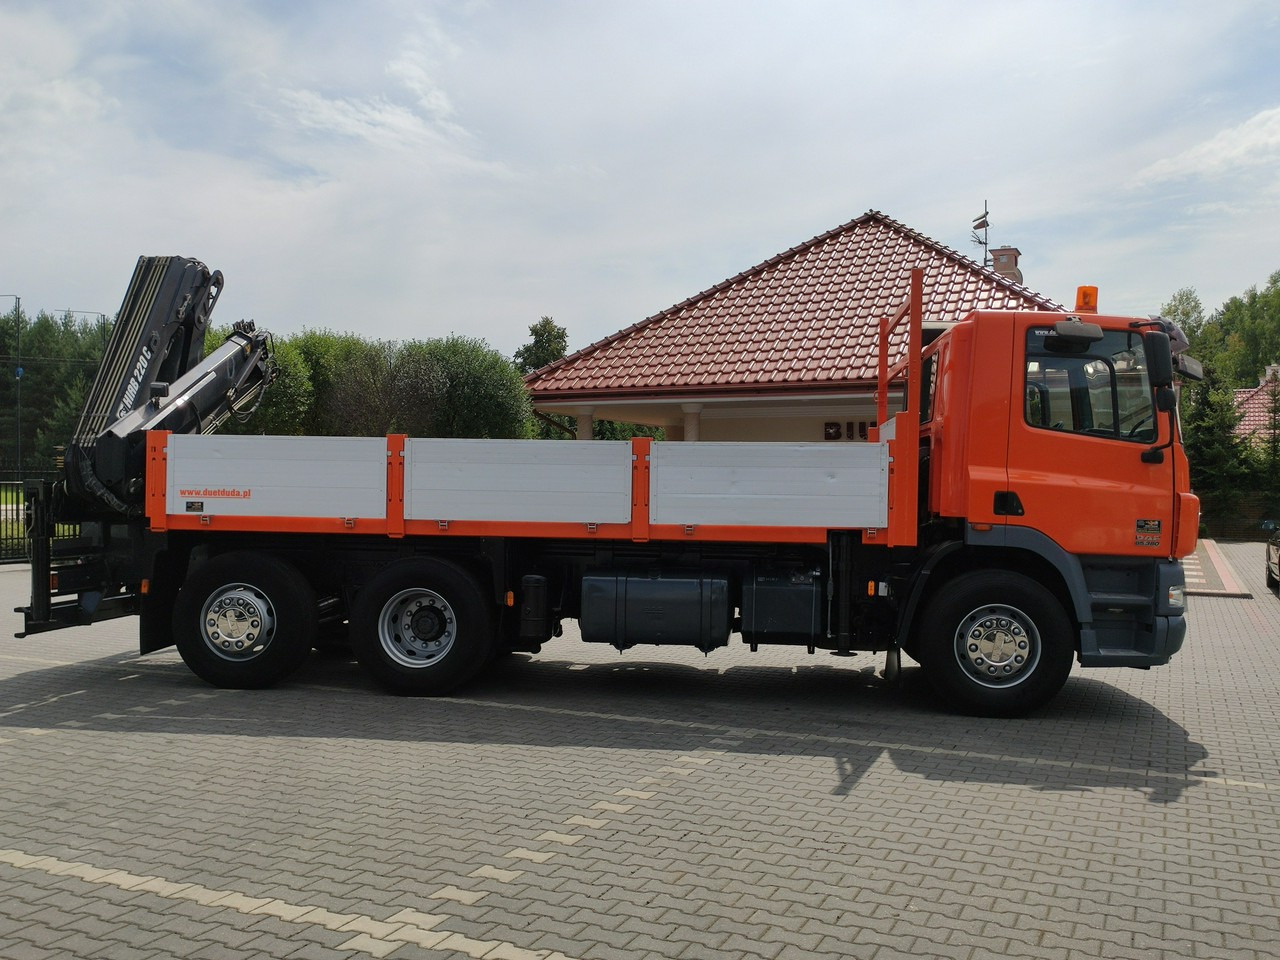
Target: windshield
1099, 388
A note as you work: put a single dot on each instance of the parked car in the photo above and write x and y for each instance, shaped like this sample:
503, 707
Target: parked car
1273, 553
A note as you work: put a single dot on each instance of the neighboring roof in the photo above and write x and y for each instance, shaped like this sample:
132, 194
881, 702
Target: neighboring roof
1254, 404
803, 321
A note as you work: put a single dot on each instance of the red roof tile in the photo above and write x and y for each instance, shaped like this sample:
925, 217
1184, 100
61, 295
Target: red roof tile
806, 319
1254, 404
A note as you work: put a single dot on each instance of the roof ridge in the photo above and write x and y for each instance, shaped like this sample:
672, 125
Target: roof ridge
989, 272
722, 285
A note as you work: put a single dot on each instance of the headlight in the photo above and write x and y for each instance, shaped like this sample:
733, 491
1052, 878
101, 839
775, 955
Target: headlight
1177, 596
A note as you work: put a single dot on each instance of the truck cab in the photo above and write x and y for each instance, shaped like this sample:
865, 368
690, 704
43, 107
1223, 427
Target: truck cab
1050, 450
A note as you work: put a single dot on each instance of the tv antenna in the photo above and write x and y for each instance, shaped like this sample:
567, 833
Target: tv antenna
982, 240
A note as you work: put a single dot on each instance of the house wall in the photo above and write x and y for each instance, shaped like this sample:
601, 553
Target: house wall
835, 427
821, 419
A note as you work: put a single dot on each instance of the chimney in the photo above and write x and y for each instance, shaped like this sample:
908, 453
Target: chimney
1004, 261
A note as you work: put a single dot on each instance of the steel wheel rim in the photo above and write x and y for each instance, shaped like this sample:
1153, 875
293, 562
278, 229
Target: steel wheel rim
238, 622
417, 628
997, 646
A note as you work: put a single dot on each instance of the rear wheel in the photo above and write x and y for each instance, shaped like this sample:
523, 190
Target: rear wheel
244, 620
422, 628
996, 643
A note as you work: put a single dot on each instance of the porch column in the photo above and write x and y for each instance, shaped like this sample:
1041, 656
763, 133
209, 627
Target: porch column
692, 420
586, 423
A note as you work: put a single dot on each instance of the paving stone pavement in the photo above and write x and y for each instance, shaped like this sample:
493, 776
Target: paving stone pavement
658, 804
1208, 573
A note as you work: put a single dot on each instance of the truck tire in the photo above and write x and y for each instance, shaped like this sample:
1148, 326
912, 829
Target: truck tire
422, 628
244, 620
995, 643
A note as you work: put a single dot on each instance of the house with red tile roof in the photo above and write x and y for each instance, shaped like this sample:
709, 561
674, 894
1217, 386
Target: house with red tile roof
1254, 404
786, 350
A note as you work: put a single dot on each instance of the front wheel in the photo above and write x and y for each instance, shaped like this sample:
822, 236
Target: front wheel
422, 628
996, 643
244, 620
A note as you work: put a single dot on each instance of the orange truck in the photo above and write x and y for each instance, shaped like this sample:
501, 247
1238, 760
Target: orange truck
1024, 503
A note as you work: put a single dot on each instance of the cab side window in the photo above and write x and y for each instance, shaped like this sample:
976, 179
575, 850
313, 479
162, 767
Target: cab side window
1100, 389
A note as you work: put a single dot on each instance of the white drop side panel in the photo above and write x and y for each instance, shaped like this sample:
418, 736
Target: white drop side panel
842, 485
548, 481
278, 476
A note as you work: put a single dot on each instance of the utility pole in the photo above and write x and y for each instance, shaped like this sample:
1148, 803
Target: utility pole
99, 316
17, 323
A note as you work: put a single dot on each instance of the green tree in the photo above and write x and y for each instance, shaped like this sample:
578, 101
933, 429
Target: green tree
1219, 459
349, 386
548, 343
618, 430
54, 427
1185, 309
60, 355
1250, 325
364, 399
480, 393
351, 383
1268, 452
1240, 339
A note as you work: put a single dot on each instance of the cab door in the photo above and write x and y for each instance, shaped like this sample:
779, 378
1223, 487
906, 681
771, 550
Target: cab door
1076, 467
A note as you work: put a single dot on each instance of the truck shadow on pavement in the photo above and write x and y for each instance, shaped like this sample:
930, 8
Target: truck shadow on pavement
1092, 737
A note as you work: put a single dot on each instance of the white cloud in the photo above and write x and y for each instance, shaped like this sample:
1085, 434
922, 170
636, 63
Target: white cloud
1254, 143
375, 121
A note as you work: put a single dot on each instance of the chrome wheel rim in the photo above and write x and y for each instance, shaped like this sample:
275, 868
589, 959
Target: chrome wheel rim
417, 628
238, 622
997, 645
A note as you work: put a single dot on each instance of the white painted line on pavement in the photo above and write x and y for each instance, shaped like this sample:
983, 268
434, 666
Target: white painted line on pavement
495, 873
593, 823
611, 807
468, 897
376, 938
41, 660
568, 839
536, 856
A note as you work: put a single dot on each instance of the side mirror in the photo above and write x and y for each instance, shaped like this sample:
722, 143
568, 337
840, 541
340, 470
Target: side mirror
1159, 358
1190, 367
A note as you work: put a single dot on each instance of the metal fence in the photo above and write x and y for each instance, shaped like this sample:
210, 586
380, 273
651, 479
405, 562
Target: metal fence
13, 533
13, 525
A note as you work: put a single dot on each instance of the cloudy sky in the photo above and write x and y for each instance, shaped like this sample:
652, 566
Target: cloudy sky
412, 169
